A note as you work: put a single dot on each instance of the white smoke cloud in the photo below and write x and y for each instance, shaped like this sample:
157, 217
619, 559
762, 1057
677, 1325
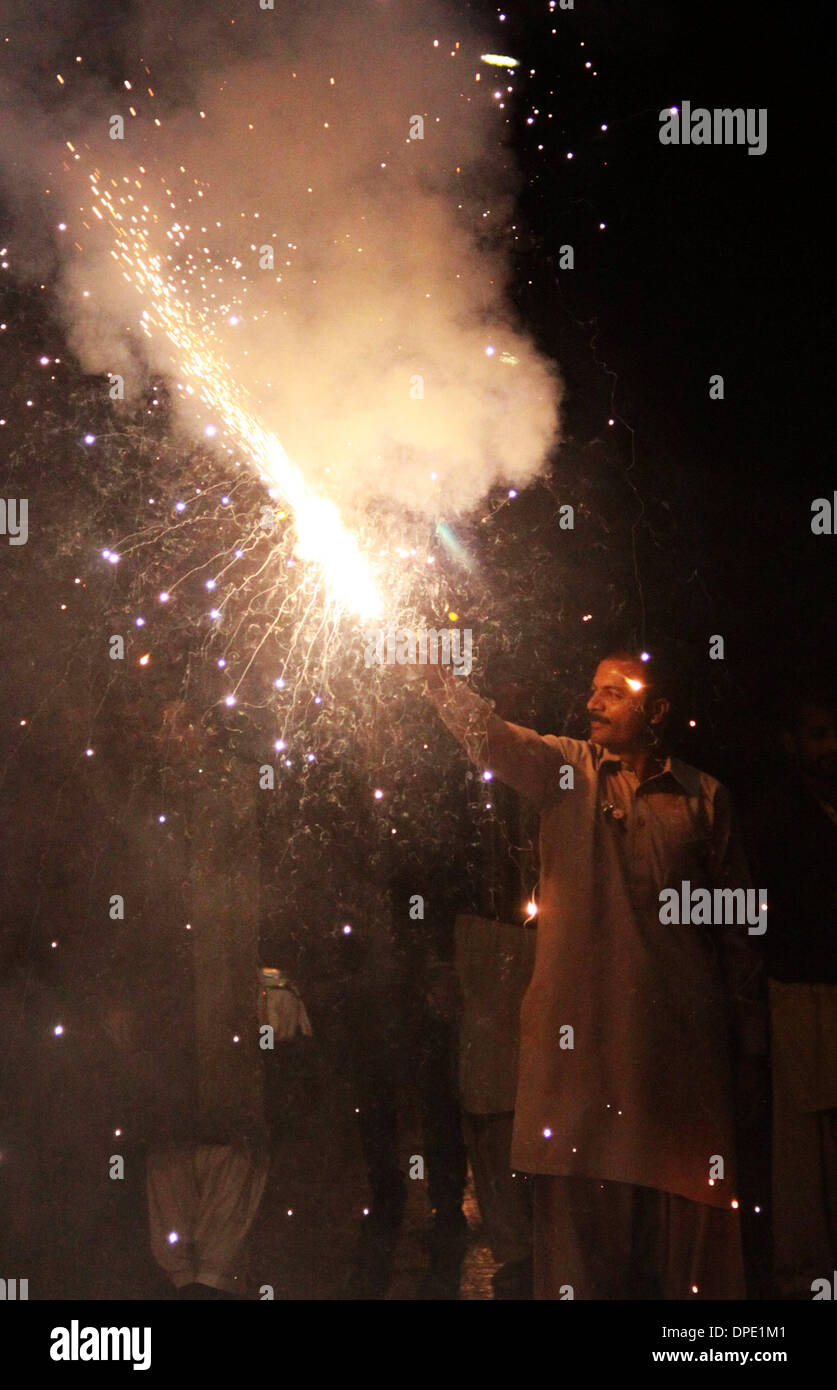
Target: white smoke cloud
381, 347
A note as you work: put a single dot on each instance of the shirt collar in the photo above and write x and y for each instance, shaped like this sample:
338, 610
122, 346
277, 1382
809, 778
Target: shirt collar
688, 777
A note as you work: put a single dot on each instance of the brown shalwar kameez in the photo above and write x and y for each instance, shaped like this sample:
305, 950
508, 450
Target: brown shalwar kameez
643, 1096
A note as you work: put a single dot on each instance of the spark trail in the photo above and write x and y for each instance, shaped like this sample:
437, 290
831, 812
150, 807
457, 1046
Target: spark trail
322, 538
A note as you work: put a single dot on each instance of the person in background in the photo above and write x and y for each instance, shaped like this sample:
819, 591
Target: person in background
495, 943
401, 1006
797, 845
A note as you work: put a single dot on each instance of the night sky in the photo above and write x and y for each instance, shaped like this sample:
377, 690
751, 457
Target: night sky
709, 262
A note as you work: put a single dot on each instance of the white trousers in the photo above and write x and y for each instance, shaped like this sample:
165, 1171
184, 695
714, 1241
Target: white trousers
202, 1200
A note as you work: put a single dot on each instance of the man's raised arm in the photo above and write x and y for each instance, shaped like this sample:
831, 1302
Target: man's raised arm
520, 757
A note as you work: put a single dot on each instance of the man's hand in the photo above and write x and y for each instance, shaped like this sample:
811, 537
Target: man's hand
423, 679
417, 673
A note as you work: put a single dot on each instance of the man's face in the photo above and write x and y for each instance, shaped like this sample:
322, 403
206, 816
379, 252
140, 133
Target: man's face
617, 706
814, 742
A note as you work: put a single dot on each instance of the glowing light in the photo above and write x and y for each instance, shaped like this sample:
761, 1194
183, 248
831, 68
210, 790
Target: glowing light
531, 909
499, 60
634, 684
321, 537
645, 656
547, 1134
58, 1030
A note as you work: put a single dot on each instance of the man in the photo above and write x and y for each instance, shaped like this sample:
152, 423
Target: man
625, 1094
400, 1008
798, 841
495, 952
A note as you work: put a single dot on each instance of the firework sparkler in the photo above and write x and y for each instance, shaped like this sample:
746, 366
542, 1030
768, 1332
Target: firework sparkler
322, 537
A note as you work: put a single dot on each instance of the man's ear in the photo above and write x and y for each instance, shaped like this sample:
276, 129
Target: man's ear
658, 709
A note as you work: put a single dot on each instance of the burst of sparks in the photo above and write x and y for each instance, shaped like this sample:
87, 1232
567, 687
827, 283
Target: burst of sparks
322, 538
